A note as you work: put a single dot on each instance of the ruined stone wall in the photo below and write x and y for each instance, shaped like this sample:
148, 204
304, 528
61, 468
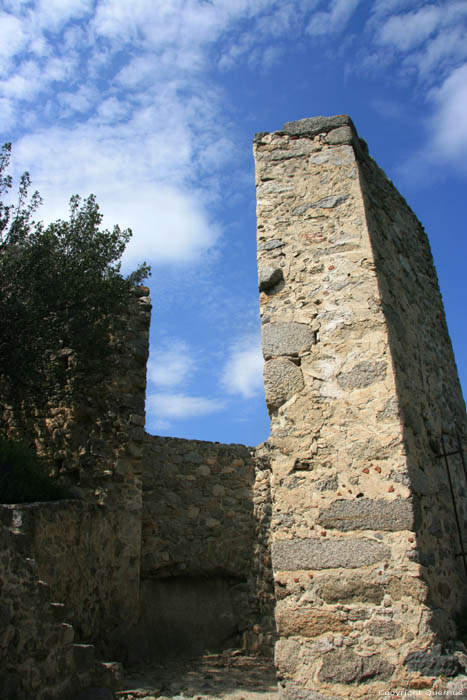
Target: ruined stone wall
96, 440
89, 550
87, 560
360, 381
430, 400
36, 654
39, 655
206, 514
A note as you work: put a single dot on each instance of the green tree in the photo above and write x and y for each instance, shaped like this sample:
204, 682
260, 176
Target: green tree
62, 294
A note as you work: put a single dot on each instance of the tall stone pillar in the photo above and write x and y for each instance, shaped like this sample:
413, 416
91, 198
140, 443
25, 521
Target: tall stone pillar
369, 518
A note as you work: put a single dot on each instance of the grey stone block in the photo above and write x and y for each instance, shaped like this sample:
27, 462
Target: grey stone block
362, 375
368, 514
268, 277
324, 203
343, 134
286, 339
316, 125
348, 667
433, 662
282, 379
271, 245
314, 553
292, 691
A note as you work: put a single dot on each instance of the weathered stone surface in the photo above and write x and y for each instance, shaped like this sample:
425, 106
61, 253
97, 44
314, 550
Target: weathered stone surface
286, 339
433, 662
351, 590
348, 667
84, 655
29, 631
316, 125
206, 509
386, 629
287, 655
324, 203
307, 622
268, 277
380, 388
369, 514
342, 134
362, 375
292, 691
282, 379
271, 245
314, 553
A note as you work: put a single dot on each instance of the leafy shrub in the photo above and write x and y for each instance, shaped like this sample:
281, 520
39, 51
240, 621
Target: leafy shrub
24, 477
62, 296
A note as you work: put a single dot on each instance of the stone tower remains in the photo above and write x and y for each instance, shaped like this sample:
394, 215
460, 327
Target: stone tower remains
367, 422
357, 501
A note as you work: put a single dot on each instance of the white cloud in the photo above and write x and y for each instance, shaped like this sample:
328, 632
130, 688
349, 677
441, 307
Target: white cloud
449, 123
335, 20
169, 364
446, 133
406, 31
159, 424
243, 371
429, 39
12, 28
438, 55
6, 114
79, 100
161, 406
25, 84
53, 14
383, 7
138, 175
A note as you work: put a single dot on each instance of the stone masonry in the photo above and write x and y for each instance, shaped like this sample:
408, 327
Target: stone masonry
362, 388
206, 578
339, 537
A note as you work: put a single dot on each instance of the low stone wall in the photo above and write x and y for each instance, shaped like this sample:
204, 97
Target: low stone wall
36, 650
86, 554
206, 513
88, 550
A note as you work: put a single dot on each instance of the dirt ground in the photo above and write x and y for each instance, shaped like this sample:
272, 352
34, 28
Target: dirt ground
230, 675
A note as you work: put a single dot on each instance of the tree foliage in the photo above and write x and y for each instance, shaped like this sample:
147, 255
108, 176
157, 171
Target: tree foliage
61, 293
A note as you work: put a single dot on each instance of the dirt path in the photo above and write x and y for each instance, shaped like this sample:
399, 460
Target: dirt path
230, 675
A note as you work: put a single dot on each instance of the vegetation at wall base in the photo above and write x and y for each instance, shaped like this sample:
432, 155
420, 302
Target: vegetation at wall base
24, 475
62, 296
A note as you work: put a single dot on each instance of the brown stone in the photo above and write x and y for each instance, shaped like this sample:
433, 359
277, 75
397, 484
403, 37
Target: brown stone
351, 590
308, 621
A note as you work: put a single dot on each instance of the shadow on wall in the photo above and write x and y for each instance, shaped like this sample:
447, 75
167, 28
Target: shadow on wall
206, 581
432, 409
185, 616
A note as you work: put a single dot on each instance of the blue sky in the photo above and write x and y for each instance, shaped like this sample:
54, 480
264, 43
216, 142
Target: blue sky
152, 105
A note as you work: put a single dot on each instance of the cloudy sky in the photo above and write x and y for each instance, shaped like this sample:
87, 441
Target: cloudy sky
152, 105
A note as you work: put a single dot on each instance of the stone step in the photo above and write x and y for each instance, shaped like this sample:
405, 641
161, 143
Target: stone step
85, 657
110, 674
59, 612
